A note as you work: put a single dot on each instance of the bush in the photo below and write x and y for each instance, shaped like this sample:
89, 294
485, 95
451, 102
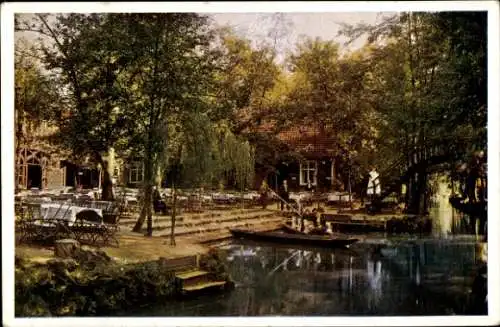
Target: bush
213, 263
72, 288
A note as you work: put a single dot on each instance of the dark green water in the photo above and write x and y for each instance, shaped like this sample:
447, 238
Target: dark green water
377, 276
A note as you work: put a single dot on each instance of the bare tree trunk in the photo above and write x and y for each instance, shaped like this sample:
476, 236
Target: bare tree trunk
138, 225
349, 186
107, 164
174, 211
107, 182
147, 204
148, 192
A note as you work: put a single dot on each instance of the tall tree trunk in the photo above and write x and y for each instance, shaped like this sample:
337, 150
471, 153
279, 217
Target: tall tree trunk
147, 204
174, 212
108, 166
149, 210
107, 183
148, 193
158, 176
422, 189
418, 188
413, 200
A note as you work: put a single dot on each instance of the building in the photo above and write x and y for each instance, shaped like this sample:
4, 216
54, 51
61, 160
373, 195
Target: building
37, 163
316, 168
41, 165
306, 159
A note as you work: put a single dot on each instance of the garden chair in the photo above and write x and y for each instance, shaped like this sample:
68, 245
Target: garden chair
36, 227
90, 228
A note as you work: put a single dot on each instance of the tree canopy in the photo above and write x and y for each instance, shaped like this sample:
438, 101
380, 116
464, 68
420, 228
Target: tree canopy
201, 105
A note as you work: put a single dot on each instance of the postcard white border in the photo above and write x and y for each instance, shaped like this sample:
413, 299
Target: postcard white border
7, 96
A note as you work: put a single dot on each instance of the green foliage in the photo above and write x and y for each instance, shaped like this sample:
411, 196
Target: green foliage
427, 77
36, 96
79, 54
211, 153
66, 288
206, 105
214, 263
245, 80
429, 81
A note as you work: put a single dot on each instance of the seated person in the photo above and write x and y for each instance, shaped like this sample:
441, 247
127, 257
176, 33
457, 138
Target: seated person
158, 203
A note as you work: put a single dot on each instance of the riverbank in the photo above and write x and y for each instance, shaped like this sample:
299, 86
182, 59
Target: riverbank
92, 283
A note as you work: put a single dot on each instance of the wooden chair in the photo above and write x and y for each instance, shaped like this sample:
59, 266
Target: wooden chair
90, 228
34, 227
194, 204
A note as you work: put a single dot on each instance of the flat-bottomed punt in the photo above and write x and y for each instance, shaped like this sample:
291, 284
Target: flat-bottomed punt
303, 239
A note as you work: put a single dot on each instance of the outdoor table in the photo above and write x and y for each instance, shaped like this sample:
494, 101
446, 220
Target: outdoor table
38, 199
251, 196
338, 197
131, 199
206, 198
65, 212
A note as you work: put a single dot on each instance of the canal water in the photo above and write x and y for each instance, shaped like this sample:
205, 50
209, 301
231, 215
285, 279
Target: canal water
379, 276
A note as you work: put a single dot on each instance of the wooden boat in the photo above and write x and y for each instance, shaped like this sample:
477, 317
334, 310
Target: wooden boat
303, 239
316, 231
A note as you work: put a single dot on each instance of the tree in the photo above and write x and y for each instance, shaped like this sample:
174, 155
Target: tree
170, 78
36, 98
36, 102
420, 108
329, 91
80, 51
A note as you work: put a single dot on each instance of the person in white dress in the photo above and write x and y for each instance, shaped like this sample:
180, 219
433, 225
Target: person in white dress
373, 184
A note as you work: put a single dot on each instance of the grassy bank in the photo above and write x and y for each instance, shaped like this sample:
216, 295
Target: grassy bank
92, 284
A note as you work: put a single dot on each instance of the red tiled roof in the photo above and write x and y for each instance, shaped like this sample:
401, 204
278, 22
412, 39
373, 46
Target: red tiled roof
309, 140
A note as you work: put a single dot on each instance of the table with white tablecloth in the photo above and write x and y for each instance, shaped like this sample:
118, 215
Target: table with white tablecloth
64, 212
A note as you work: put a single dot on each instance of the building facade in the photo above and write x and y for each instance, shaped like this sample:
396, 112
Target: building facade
312, 168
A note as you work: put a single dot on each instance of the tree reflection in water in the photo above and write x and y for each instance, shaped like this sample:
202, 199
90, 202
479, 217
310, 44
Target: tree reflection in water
402, 278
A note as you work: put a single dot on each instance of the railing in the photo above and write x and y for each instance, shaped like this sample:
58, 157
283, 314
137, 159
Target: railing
433, 152
286, 203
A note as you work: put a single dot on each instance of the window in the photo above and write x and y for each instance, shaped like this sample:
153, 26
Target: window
136, 173
116, 172
308, 173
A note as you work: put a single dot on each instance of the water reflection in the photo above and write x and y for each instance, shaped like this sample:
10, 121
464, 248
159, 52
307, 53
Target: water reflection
419, 277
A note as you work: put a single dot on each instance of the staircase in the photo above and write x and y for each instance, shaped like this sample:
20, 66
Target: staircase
189, 278
210, 225
196, 281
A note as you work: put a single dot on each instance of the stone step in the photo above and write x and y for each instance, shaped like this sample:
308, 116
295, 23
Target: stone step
229, 219
222, 227
230, 223
204, 286
208, 222
191, 278
195, 216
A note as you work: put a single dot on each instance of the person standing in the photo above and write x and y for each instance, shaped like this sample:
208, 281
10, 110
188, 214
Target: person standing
283, 193
264, 189
374, 188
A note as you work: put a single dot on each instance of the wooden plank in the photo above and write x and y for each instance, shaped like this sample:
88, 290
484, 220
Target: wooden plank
201, 286
191, 274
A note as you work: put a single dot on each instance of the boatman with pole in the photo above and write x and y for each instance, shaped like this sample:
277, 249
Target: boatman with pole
374, 190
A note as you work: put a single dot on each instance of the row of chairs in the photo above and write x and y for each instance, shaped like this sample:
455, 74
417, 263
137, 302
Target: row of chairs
88, 227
